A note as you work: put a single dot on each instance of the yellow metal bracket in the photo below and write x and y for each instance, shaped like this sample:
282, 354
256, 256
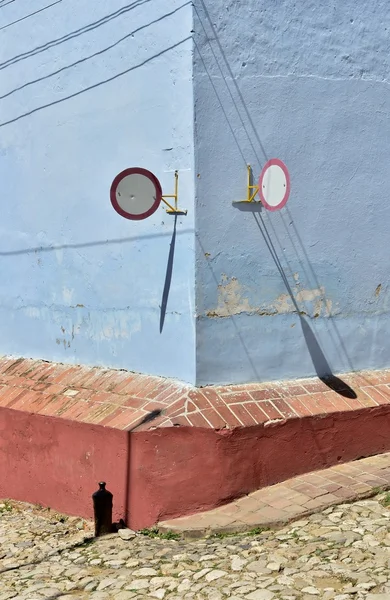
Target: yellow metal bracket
251, 190
174, 210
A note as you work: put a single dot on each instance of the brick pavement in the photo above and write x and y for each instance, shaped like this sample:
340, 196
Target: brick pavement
126, 400
290, 500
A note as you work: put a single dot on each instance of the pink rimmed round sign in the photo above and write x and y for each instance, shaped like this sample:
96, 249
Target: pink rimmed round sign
274, 184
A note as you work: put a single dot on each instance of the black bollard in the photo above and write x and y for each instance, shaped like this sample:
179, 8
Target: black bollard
102, 508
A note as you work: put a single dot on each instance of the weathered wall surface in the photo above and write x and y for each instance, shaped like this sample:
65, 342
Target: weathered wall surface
86, 91
304, 290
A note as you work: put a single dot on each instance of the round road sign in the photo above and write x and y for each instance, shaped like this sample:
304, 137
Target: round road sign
135, 193
274, 184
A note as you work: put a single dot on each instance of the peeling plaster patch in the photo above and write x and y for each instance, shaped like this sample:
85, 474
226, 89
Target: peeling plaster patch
231, 301
321, 306
328, 307
283, 304
309, 295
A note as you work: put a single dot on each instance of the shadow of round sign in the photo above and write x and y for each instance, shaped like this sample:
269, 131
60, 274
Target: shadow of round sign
135, 193
274, 185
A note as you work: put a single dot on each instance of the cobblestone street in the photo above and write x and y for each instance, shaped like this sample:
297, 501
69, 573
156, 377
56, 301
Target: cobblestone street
341, 553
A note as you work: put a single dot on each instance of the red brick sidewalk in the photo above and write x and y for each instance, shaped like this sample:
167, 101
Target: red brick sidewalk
124, 400
290, 500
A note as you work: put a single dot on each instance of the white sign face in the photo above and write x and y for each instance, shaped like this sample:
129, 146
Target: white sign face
135, 193
274, 185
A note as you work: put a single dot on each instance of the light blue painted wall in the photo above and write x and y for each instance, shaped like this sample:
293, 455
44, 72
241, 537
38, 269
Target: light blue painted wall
88, 89
86, 93
306, 82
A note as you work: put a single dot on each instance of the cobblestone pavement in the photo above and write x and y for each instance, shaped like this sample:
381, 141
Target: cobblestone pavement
341, 553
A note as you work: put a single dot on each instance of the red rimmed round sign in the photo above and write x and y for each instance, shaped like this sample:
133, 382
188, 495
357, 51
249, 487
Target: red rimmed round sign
135, 193
274, 184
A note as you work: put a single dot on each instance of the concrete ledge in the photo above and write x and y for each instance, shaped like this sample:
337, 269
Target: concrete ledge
55, 447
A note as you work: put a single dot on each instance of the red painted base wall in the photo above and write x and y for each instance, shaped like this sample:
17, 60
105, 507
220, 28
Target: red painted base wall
169, 472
